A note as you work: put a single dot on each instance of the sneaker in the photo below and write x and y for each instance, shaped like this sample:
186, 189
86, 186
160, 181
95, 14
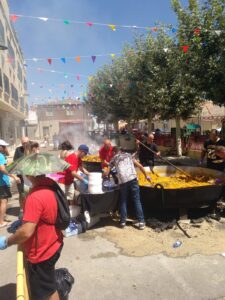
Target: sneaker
122, 224
141, 225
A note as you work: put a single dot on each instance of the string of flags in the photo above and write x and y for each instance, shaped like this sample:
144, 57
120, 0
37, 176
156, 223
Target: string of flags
66, 74
113, 27
76, 58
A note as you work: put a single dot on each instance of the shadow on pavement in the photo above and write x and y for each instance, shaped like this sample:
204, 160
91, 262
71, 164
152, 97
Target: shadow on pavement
8, 292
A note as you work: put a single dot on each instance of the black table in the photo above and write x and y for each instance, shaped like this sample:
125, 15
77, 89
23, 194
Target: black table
100, 203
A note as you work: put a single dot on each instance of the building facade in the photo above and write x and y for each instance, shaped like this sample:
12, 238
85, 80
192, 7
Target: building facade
13, 85
67, 119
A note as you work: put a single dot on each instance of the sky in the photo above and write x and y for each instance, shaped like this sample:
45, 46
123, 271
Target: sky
40, 39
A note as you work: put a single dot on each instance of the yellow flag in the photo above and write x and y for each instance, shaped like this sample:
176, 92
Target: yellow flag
90, 78
113, 55
113, 27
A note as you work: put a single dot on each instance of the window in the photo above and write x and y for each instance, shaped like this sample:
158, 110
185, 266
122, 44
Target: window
2, 33
70, 113
6, 84
1, 82
11, 54
19, 73
49, 113
14, 93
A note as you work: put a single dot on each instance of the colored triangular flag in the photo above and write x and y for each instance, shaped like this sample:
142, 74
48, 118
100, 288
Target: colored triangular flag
174, 30
63, 60
49, 61
197, 31
10, 59
66, 22
78, 77
185, 48
35, 59
218, 32
77, 58
43, 19
65, 76
113, 55
93, 58
89, 24
113, 27
154, 29
14, 18
90, 78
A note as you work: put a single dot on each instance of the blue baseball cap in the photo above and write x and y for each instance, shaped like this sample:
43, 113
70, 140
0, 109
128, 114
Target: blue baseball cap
83, 148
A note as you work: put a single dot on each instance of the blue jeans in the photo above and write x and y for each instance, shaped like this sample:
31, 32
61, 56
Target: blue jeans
132, 188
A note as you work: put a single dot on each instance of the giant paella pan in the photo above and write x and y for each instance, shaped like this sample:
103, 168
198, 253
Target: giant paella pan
172, 189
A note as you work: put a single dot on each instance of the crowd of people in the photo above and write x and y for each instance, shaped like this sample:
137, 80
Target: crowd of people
41, 239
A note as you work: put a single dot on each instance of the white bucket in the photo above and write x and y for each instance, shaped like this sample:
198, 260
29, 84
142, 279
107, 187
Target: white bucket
95, 189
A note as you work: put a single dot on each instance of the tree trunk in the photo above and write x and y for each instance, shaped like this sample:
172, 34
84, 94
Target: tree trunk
150, 123
178, 137
115, 125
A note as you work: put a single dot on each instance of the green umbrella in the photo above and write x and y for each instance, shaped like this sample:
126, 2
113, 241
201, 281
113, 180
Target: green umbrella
38, 164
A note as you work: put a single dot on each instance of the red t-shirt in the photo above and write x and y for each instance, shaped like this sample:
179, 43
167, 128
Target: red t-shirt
75, 163
41, 208
106, 155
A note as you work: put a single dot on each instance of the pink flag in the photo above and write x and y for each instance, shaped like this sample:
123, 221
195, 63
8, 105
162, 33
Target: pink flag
14, 18
49, 61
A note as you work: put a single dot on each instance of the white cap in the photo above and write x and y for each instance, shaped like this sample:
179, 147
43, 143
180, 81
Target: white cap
3, 143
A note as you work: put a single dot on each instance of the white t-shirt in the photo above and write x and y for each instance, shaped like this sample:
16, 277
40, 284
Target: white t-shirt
124, 165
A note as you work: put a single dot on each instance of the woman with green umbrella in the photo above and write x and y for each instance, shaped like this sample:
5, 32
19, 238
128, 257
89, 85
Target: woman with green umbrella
41, 239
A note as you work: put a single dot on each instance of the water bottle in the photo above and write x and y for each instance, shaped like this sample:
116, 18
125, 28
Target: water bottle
177, 244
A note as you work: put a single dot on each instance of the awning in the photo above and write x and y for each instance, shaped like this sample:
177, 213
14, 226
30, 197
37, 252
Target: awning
192, 126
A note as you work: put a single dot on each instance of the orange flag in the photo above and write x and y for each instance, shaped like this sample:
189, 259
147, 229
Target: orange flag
77, 58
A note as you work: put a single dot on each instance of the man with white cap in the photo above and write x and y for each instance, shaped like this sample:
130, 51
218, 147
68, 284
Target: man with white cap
4, 182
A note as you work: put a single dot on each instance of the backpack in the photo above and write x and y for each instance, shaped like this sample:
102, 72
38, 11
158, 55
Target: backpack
63, 213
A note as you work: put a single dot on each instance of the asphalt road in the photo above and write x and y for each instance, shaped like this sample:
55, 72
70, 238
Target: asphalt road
102, 272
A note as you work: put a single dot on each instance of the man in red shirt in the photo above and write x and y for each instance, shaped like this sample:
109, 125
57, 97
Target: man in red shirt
106, 153
66, 182
41, 240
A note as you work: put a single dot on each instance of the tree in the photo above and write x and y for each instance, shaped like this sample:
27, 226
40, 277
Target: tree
202, 28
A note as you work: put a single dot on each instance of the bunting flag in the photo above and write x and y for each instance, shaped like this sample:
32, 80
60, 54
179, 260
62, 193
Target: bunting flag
113, 55
197, 31
78, 77
174, 30
185, 48
66, 22
43, 19
218, 32
90, 78
65, 76
63, 59
14, 18
89, 24
154, 29
113, 27
77, 58
93, 58
49, 61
